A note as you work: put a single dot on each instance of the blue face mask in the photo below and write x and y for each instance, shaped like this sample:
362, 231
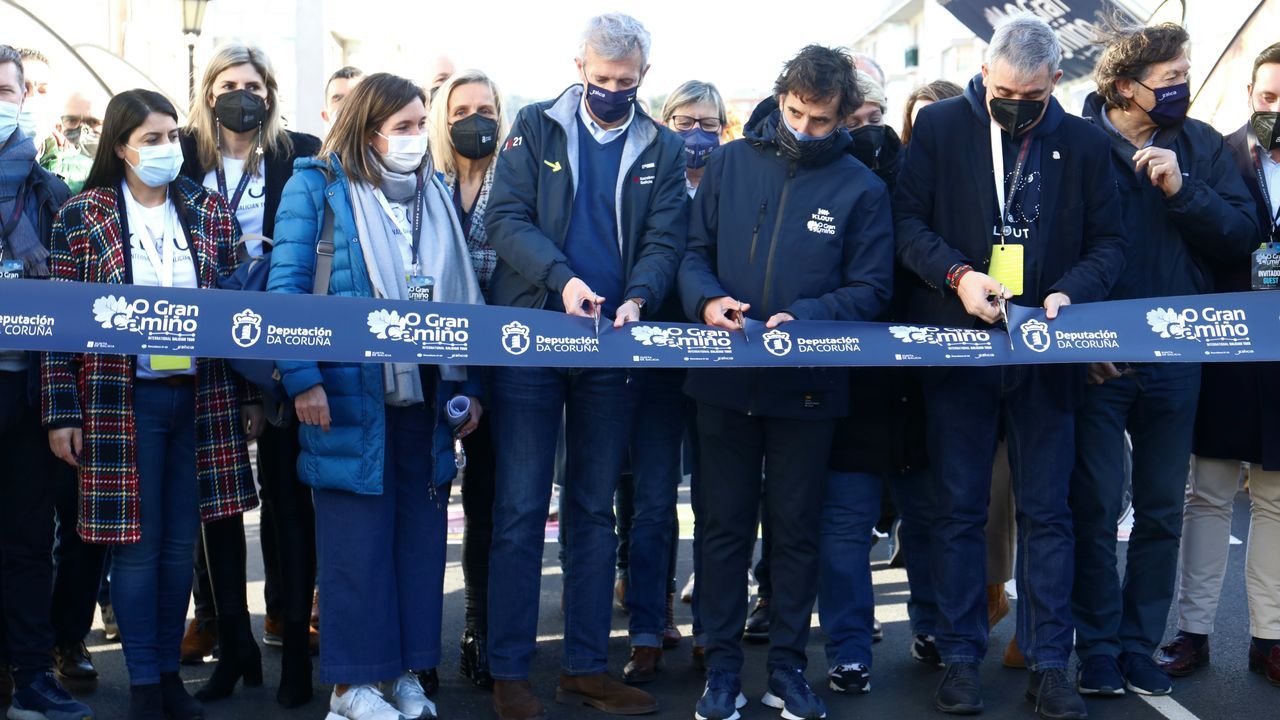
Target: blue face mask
1171, 105
8, 120
698, 144
158, 165
609, 106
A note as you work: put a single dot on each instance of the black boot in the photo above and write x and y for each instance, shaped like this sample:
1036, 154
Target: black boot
295, 666
178, 705
146, 702
473, 662
240, 659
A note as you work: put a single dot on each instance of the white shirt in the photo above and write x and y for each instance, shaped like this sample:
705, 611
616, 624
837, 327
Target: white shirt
402, 214
602, 136
253, 203
160, 226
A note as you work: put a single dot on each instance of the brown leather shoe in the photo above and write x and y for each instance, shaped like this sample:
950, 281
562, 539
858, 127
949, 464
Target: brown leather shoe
199, 642
997, 605
1013, 656
1180, 657
514, 700
605, 694
671, 633
1267, 666
643, 666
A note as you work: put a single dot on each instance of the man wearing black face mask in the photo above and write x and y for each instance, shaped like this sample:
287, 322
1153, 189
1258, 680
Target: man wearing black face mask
785, 226
1004, 195
1185, 211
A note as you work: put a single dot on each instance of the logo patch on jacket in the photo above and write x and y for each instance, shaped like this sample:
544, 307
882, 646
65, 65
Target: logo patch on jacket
643, 179
821, 223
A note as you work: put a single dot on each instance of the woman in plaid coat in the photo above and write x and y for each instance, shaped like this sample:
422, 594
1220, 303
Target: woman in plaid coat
160, 442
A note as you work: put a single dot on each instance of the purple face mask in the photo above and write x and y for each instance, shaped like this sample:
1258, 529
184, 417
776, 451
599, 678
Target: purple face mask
1171, 105
609, 106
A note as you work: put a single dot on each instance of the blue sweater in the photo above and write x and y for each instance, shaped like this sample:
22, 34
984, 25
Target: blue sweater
591, 244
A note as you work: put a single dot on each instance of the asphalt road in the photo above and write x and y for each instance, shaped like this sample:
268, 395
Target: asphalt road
902, 687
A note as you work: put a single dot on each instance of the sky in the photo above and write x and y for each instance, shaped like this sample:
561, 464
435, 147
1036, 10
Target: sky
529, 47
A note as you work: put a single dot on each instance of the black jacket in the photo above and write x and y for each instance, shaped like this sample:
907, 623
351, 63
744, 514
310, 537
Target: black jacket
1238, 418
815, 241
945, 204
278, 170
1173, 241
531, 204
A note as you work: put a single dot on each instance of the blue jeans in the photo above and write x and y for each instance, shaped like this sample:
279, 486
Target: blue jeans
846, 600
528, 403
656, 475
151, 579
382, 560
1157, 405
912, 494
964, 408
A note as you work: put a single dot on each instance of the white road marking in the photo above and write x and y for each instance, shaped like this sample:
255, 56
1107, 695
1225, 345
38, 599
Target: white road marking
1168, 707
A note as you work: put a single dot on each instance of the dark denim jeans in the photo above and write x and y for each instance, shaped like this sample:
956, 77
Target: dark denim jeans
964, 408
528, 403
846, 600
912, 494
1157, 405
655, 479
151, 579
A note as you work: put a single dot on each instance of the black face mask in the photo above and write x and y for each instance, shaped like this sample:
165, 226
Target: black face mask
1016, 116
240, 110
475, 136
868, 144
804, 152
1266, 129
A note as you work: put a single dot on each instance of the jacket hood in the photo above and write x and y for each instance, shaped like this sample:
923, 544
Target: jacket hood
976, 94
762, 131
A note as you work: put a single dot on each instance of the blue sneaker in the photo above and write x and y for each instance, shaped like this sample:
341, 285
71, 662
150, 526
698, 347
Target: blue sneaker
790, 693
723, 697
1143, 676
1100, 675
46, 699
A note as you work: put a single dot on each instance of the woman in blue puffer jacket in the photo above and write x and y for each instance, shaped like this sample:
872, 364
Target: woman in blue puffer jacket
380, 499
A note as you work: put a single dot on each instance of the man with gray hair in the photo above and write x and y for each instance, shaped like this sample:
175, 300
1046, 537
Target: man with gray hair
1005, 197
588, 214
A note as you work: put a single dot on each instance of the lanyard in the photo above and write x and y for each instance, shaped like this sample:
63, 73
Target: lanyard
240, 187
997, 164
163, 267
1262, 185
417, 219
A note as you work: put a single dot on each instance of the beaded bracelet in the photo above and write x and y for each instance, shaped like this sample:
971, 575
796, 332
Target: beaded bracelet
956, 272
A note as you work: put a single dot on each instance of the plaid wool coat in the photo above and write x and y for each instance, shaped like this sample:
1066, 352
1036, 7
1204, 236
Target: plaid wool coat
95, 391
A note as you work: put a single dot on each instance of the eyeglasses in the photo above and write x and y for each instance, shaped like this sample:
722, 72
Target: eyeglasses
685, 122
70, 121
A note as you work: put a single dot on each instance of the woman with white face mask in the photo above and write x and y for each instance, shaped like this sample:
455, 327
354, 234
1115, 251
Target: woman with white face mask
376, 449
160, 442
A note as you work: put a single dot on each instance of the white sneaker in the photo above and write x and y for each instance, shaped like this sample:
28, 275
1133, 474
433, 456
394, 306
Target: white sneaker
408, 695
361, 702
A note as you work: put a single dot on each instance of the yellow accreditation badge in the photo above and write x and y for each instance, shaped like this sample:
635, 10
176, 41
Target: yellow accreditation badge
165, 363
1007, 267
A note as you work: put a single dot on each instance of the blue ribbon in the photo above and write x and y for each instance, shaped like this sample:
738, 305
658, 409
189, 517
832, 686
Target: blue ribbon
132, 320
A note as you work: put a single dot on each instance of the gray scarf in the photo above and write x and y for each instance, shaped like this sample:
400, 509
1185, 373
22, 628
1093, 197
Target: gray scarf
17, 158
442, 254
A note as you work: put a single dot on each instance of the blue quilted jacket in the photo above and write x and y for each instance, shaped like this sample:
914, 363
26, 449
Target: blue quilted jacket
350, 456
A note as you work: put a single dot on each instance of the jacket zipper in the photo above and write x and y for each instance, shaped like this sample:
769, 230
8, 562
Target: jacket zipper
773, 241
755, 233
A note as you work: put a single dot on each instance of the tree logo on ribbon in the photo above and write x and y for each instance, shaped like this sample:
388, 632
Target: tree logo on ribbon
246, 328
1035, 335
113, 312
777, 342
650, 335
515, 337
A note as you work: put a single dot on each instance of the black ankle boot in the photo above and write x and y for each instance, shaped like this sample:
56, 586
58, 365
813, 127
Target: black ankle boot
240, 659
473, 663
146, 702
178, 705
295, 666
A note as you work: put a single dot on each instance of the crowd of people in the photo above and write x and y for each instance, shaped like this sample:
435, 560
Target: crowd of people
130, 475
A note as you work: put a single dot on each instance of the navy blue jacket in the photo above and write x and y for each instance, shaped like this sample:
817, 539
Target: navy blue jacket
815, 241
945, 203
1238, 418
1174, 241
532, 201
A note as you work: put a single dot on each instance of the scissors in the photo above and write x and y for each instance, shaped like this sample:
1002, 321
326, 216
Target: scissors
595, 315
1004, 315
742, 324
